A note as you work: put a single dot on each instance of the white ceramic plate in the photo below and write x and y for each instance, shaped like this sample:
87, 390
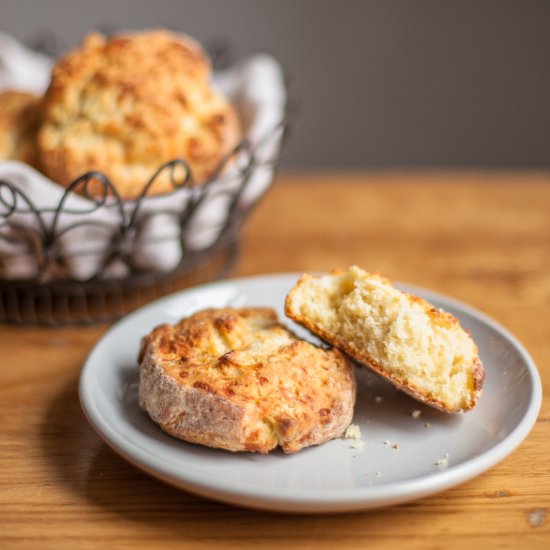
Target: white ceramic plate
435, 451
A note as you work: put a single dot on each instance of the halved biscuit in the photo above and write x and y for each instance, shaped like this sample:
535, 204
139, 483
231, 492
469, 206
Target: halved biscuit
237, 379
420, 348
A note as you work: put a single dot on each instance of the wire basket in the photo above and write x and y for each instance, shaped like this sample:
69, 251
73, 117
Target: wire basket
118, 282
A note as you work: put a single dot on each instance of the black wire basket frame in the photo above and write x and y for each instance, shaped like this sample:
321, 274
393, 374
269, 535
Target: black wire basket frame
53, 297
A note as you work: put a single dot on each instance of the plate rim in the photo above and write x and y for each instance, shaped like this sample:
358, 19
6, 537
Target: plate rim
313, 500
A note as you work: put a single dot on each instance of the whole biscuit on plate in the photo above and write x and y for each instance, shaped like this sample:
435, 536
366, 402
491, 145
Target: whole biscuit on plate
237, 379
423, 350
19, 121
127, 104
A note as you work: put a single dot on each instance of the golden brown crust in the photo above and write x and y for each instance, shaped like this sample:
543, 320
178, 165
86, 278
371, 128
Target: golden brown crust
437, 316
236, 379
128, 104
19, 121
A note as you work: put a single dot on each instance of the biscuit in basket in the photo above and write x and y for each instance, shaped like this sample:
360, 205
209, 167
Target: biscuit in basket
128, 104
238, 380
19, 121
420, 348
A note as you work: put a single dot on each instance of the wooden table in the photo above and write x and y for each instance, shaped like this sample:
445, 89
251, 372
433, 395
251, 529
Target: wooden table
481, 237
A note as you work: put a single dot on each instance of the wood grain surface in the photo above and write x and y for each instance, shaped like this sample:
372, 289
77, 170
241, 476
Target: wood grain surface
481, 237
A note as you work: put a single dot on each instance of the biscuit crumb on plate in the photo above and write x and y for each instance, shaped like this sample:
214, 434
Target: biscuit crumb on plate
352, 432
443, 463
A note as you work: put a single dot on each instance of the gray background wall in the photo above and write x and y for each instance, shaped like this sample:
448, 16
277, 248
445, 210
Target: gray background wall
393, 83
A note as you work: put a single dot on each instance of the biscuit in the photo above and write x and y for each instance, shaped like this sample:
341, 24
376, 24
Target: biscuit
19, 121
420, 348
237, 379
126, 105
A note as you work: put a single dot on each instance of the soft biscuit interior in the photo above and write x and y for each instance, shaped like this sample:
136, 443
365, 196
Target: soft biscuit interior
403, 336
